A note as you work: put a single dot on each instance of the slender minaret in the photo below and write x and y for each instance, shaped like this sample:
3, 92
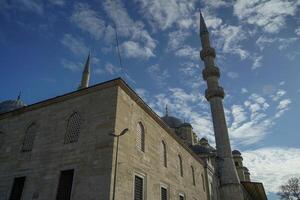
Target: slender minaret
230, 187
85, 74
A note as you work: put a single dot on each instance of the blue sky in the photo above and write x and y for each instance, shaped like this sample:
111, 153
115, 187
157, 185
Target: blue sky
44, 44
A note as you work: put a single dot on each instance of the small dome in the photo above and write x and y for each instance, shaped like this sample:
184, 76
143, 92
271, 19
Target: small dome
185, 124
10, 105
199, 149
171, 121
236, 152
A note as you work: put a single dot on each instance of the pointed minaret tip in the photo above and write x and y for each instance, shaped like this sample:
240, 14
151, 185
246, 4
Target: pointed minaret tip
203, 28
87, 64
166, 109
86, 74
19, 96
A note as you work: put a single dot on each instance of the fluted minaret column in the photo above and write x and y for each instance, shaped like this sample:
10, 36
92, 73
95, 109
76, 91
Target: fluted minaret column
85, 74
230, 188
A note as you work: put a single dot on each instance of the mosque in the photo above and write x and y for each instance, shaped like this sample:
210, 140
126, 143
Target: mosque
104, 142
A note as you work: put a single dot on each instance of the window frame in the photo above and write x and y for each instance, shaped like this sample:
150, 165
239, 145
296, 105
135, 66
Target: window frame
193, 175
164, 153
180, 165
24, 147
163, 186
67, 139
181, 195
142, 176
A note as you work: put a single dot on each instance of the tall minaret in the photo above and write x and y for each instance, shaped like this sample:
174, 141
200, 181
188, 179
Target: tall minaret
230, 187
85, 74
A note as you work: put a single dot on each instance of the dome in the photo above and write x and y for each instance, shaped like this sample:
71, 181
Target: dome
236, 152
185, 124
199, 149
203, 141
172, 122
10, 105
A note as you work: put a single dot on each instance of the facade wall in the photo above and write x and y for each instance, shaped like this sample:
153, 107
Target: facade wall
90, 157
148, 164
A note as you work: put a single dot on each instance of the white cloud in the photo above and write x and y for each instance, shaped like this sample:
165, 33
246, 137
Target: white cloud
133, 49
229, 38
270, 15
297, 31
111, 69
232, 75
256, 62
73, 66
282, 43
159, 75
273, 166
29, 5
138, 37
188, 52
176, 39
163, 14
244, 90
88, 20
76, 45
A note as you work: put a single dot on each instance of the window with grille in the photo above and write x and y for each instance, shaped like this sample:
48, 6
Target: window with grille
181, 197
140, 137
164, 193
17, 188
29, 138
138, 188
163, 154
73, 129
65, 185
180, 166
193, 175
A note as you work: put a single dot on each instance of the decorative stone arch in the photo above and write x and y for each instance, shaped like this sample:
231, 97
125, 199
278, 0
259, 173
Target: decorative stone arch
29, 137
180, 165
140, 136
163, 153
73, 128
193, 175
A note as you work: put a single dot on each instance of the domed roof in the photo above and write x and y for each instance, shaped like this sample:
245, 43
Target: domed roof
236, 152
199, 149
171, 121
185, 124
10, 105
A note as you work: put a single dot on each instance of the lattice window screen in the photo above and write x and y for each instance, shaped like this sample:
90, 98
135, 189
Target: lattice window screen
73, 129
140, 137
29, 138
138, 188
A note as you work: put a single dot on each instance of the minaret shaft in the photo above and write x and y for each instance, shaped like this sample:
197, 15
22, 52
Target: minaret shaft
230, 187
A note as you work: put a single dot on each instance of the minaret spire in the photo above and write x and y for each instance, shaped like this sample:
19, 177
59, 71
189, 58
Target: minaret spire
230, 187
85, 74
167, 110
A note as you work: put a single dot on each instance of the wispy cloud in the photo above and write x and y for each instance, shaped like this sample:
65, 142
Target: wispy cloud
281, 43
273, 165
75, 45
73, 66
138, 39
163, 14
158, 74
270, 15
88, 20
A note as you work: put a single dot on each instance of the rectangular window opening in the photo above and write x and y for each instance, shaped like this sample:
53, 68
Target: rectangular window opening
164, 193
138, 188
17, 189
65, 185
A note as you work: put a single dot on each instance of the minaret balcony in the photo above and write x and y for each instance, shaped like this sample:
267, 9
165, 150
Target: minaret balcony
207, 52
214, 92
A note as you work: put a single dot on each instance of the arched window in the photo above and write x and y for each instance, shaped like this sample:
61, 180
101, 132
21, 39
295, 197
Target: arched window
29, 137
193, 175
180, 166
163, 154
73, 128
140, 137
